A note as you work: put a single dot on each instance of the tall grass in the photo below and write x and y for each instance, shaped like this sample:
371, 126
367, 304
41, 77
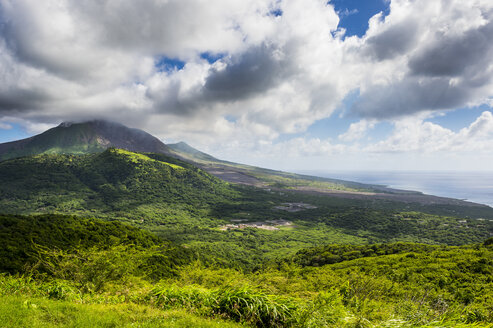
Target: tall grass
245, 304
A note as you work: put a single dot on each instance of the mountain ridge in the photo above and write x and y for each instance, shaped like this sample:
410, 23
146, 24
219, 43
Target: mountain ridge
82, 138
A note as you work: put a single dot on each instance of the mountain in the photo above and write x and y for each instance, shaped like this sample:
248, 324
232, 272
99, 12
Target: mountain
185, 204
97, 135
82, 138
189, 153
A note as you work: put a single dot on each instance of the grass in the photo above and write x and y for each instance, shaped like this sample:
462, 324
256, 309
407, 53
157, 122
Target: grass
17, 311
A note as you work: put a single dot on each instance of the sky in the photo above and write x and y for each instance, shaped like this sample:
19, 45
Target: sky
284, 84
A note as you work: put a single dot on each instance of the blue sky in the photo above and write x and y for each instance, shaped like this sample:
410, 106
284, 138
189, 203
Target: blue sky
12, 132
354, 14
272, 83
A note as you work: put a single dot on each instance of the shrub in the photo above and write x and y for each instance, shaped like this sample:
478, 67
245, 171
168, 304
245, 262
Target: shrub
244, 304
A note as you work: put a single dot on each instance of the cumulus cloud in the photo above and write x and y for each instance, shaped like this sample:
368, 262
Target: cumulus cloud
71, 59
252, 70
394, 40
357, 130
427, 55
255, 71
416, 135
413, 94
413, 143
455, 54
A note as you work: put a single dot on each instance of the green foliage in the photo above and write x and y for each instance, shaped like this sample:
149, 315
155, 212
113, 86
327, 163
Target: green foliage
244, 304
298, 275
23, 236
115, 181
330, 254
400, 285
254, 307
18, 311
292, 181
93, 269
183, 204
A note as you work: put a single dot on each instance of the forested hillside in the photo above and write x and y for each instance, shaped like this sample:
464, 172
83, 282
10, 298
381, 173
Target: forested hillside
89, 239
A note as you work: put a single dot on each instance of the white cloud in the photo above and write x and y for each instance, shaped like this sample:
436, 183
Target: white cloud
416, 135
67, 60
5, 126
357, 130
414, 143
75, 60
426, 55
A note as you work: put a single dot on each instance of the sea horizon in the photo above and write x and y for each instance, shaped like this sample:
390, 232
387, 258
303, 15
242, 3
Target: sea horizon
473, 186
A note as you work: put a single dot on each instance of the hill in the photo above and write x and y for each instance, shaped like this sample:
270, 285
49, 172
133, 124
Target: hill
97, 135
215, 254
112, 180
281, 181
83, 138
23, 236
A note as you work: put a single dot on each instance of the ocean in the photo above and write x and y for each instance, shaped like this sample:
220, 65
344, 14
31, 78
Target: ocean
472, 186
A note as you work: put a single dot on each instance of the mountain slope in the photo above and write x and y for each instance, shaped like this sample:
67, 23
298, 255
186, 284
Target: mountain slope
233, 223
113, 180
96, 136
83, 138
187, 152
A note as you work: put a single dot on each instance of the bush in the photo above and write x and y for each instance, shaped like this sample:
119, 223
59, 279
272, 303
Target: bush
244, 304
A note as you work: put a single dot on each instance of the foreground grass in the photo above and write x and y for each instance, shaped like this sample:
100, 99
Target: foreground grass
19, 311
121, 283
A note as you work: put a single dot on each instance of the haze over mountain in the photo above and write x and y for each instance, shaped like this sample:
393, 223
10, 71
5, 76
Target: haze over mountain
187, 152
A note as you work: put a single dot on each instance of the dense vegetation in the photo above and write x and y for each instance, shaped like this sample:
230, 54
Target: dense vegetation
86, 240
54, 245
113, 181
185, 205
387, 285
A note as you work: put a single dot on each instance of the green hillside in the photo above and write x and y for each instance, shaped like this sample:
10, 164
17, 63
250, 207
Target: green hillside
98, 135
234, 224
125, 284
112, 181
